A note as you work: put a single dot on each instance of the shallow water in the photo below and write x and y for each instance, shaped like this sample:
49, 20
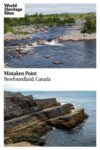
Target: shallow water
85, 133
70, 54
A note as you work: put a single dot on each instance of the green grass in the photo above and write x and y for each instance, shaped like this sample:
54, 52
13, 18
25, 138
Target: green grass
20, 32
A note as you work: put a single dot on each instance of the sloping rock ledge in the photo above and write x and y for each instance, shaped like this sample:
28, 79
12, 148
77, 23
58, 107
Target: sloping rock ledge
27, 119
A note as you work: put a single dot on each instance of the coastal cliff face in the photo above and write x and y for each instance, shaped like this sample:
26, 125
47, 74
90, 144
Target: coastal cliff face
27, 119
17, 105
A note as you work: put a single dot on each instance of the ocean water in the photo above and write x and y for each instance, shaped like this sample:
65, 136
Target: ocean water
70, 54
82, 135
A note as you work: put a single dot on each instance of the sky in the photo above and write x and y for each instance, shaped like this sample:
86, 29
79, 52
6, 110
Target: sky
21, 87
59, 8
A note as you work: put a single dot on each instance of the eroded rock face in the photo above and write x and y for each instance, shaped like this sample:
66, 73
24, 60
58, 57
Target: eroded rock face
28, 119
26, 128
47, 103
55, 111
70, 120
16, 105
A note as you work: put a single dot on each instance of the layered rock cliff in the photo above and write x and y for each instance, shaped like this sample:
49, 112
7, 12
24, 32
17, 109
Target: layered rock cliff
27, 119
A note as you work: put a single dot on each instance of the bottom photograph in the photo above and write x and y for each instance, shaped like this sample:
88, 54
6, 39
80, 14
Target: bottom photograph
49, 118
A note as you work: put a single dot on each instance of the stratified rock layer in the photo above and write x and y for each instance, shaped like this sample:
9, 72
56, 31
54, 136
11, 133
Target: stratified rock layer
28, 119
70, 120
16, 105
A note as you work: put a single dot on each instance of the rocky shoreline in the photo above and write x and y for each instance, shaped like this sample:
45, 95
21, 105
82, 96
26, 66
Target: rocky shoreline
27, 119
26, 32
68, 37
77, 37
23, 32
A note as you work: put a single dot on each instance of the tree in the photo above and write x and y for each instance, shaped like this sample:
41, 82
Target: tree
89, 25
69, 20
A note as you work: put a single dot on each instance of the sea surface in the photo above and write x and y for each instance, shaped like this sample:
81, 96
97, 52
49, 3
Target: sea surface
84, 135
70, 54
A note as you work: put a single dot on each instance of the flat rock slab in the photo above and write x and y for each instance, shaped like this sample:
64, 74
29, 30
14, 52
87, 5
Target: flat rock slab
69, 120
77, 37
20, 144
55, 111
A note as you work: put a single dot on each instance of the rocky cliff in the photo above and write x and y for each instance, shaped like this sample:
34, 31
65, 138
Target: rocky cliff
27, 119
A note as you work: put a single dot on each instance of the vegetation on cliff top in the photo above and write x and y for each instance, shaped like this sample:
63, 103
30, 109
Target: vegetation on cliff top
41, 20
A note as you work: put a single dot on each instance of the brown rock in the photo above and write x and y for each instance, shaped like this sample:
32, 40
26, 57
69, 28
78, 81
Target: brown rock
55, 111
26, 128
57, 62
20, 144
46, 103
40, 42
7, 140
69, 120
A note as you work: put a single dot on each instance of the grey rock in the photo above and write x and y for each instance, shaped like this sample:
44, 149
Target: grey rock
16, 105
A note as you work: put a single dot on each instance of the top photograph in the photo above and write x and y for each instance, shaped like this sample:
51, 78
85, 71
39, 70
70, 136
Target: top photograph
51, 36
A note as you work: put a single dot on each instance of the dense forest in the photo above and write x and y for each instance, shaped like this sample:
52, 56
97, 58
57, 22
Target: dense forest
52, 20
